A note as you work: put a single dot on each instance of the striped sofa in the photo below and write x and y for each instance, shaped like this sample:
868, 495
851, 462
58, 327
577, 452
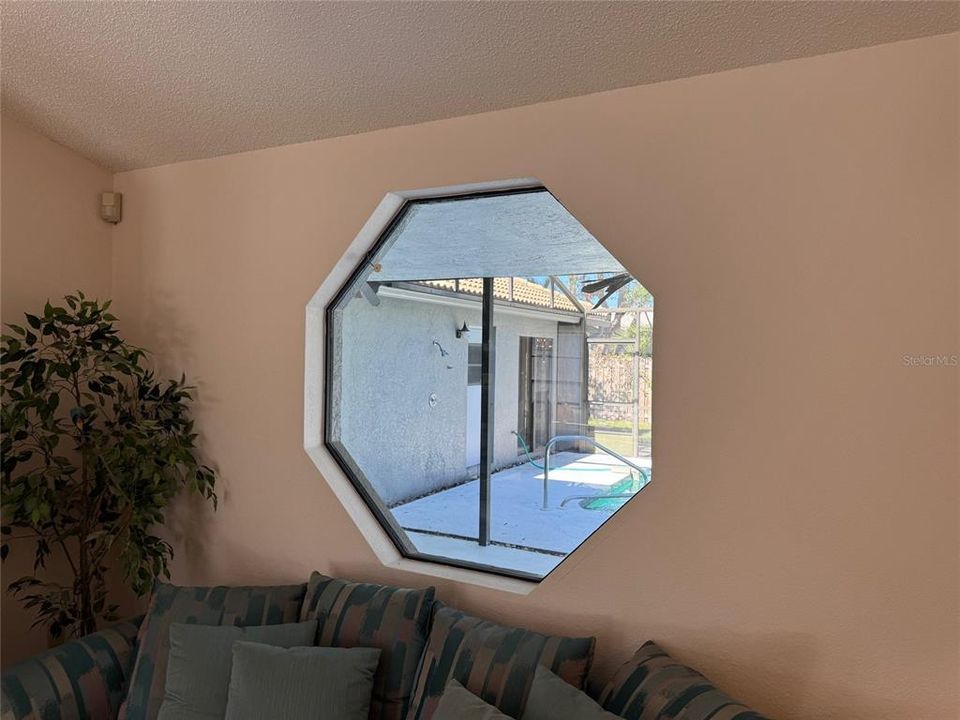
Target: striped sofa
88, 678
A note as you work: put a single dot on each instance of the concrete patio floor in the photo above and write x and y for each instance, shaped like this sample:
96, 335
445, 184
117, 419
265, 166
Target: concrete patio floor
524, 537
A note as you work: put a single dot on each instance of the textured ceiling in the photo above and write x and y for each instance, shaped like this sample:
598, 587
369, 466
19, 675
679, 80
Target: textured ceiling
134, 84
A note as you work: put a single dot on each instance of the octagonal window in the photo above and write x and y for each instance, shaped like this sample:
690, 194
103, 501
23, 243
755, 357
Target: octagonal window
488, 381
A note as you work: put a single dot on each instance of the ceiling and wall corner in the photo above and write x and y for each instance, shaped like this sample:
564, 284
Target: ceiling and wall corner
797, 224
133, 85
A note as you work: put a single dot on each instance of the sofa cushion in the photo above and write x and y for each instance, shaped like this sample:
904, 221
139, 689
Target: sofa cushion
494, 662
301, 683
551, 698
653, 686
83, 679
393, 619
269, 605
198, 667
458, 703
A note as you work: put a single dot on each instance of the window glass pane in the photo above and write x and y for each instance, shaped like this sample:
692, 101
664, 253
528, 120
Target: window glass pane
473, 356
570, 348
473, 375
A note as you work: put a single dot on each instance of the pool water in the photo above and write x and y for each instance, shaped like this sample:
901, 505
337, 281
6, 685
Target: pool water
630, 484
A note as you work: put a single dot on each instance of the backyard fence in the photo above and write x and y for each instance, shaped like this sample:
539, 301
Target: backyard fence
619, 388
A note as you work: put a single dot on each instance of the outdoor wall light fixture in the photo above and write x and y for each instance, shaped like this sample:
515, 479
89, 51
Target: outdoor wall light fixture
463, 332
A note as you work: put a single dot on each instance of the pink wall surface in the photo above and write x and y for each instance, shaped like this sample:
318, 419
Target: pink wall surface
53, 243
798, 226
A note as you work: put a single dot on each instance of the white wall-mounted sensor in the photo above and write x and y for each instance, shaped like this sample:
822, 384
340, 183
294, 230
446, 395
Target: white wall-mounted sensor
111, 207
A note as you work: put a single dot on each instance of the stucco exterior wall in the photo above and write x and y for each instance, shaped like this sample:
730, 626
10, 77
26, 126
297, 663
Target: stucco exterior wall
390, 369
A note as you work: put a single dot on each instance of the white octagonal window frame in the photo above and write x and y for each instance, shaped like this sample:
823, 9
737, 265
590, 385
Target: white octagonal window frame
316, 362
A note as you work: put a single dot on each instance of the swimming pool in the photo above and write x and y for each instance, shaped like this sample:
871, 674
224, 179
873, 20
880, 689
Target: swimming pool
617, 495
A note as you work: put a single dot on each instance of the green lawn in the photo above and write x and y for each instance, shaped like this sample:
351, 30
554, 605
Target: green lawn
619, 442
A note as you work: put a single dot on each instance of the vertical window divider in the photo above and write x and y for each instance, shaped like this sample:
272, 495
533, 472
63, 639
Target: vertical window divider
486, 410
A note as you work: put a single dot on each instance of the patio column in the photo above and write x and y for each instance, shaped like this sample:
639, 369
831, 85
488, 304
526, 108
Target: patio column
487, 362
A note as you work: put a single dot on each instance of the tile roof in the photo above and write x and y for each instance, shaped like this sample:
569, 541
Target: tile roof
525, 292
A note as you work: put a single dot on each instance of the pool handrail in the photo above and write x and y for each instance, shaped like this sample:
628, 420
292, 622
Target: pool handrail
583, 438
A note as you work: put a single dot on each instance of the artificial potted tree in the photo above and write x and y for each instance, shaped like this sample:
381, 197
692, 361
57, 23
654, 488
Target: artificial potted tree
94, 447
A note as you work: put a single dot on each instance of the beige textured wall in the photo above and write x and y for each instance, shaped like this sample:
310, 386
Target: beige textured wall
797, 224
52, 242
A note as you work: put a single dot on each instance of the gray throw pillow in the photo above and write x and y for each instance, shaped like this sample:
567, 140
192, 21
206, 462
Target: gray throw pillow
198, 669
458, 703
301, 683
220, 605
551, 698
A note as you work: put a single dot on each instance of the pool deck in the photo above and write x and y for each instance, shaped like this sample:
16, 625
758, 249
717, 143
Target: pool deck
525, 537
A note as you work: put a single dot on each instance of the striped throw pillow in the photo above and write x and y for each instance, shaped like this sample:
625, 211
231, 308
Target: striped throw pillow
653, 686
494, 662
394, 620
